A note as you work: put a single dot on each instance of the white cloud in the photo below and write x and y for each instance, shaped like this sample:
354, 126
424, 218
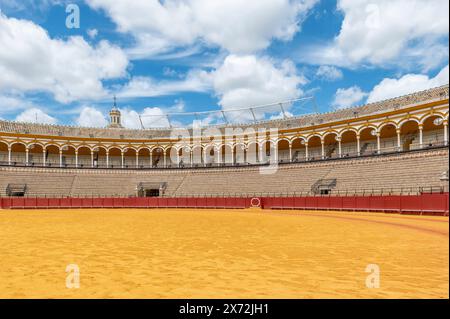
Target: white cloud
91, 117
10, 103
170, 72
194, 81
70, 70
390, 88
409, 83
151, 117
235, 25
402, 32
329, 73
35, 115
244, 81
240, 81
29, 5
349, 97
92, 33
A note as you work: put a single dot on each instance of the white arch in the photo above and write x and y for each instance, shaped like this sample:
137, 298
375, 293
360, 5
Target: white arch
392, 123
143, 148
52, 144
301, 138
158, 147
411, 119
348, 129
18, 142
365, 127
83, 146
309, 137
129, 148
36, 143
430, 115
333, 132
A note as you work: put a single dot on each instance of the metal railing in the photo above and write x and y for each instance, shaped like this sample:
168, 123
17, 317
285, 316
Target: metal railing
310, 159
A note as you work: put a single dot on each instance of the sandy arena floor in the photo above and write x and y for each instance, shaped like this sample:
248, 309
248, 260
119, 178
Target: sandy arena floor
221, 254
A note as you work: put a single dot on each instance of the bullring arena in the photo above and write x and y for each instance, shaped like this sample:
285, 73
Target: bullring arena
308, 212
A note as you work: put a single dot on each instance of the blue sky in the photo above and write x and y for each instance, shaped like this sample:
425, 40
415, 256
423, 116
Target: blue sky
200, 55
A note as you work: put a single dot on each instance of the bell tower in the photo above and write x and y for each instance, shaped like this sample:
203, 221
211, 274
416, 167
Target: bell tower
115, 116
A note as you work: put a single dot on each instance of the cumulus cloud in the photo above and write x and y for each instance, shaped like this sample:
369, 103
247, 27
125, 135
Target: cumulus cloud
10, 103
349, 97
379, 33
407, 84
153, 116
248, 80
390, 88
329, 73
35, 115
239, 81
91, 117
150, 117
194, 81
69, 69
235, 25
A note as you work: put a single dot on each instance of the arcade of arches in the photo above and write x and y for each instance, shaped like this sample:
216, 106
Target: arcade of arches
406, 135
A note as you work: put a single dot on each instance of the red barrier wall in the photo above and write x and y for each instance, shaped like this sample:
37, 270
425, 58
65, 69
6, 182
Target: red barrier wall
426, 203
420, 204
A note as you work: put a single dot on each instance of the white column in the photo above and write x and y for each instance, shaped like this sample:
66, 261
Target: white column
204, 157
277, 154
420, 135
306, 152
340, 147
107, 159
137, 159
151, 158
290, 152
445, 133
122, 154
92, 159
260, 156
165, 159
399, 140
218, 156
323, 149
43, 158
27, 155
358, 145
378, 143
9, 154
76, 158
60, 158
191, 157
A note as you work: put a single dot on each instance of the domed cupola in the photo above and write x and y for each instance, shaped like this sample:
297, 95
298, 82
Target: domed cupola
115, 116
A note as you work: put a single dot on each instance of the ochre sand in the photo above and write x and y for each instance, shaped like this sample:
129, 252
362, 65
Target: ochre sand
221, 254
